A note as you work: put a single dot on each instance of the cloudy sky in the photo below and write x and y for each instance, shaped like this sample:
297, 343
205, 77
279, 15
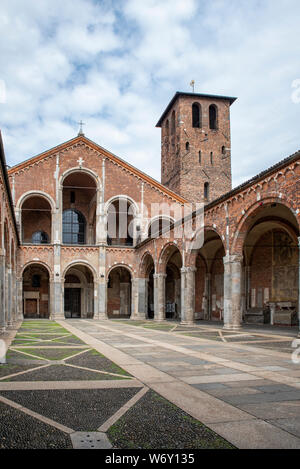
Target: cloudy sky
116, 64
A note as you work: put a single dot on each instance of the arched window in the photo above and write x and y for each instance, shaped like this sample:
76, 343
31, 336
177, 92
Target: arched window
196, 115
200, 156
206, 190
40, 237
213, 124
167, 128
211, 158
223, 150
187, 146
73, 227
173, 123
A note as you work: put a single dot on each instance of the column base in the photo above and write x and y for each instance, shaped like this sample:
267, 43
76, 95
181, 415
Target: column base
100, 317
138, 317
57, 317
187, 323
232, 327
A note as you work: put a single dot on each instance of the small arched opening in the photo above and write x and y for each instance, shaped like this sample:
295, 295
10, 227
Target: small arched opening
79, 292
36, 220
36, 302
120, 223
79, 207
119, 293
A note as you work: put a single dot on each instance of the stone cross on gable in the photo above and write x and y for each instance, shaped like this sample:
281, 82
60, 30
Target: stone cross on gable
80, 162
80, 133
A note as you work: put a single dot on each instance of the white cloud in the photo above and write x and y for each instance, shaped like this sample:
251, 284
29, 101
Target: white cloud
116, 64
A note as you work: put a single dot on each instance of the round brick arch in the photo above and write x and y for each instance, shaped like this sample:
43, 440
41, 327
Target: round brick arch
191, 257
144, 266
115, 266
245, 221
82, 263
39, 263
165, 255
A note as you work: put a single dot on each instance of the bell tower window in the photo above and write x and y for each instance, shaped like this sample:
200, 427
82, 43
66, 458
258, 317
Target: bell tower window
196, 115
213, 124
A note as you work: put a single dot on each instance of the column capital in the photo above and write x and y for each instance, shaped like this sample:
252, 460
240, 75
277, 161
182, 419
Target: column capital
185, 270
159, 275
233, 259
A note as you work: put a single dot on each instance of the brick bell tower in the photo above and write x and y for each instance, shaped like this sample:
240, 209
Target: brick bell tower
196, 146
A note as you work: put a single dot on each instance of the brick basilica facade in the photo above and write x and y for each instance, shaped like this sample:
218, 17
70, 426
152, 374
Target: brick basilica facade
83, 234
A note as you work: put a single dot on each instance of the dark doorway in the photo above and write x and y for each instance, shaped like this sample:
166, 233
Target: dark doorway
72, 302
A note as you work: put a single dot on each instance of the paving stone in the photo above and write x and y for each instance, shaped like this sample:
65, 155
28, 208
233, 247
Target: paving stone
210, 386
256, 435
249, 383
291, 425
275, 388
223, 393
270, 411
264, 397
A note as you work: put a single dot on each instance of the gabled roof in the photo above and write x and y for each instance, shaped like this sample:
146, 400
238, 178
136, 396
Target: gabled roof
107, 154
195, 95
7, 186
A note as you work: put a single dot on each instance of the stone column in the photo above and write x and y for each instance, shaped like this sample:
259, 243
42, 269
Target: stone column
236, 291
14, 298
9, 296
188, 303
159, 297
248, 284
138, 299
178, 294
2, 294
299, 285
142, 305
232, 292
100, 298
57, 300
227, 293
206, 299
19, 296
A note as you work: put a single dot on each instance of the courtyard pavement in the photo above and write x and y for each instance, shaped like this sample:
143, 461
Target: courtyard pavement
58, 391
242, 385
